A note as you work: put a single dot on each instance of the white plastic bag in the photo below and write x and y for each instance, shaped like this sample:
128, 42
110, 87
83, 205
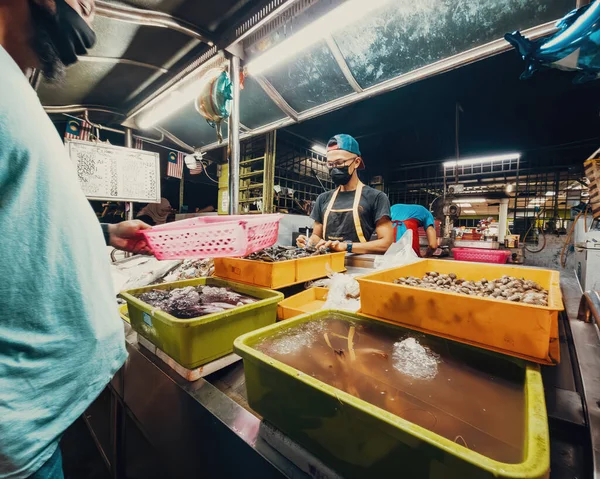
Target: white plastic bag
399, 254
343, 293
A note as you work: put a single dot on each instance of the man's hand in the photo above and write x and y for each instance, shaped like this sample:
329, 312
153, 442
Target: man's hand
337, 246
127, 236
301, 241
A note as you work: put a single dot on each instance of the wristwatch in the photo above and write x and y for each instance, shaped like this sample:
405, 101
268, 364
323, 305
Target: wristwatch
349, 248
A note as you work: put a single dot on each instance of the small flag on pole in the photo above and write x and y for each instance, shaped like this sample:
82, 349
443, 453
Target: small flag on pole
78, 130
175, 164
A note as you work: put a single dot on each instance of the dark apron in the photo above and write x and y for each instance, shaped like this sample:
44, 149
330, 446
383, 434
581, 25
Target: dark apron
334, 218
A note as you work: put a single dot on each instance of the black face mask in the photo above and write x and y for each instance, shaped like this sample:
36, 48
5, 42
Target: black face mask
72, 36
340, 176
59, 37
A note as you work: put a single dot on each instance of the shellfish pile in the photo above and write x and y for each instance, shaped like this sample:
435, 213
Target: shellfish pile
284, 253
506, 288
192, 302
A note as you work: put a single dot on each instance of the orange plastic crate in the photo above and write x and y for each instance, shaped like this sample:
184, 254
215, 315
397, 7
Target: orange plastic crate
522, 330
308, 301
280, 274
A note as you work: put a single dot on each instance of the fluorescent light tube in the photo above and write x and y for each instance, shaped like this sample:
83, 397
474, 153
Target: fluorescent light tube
481, 159
319, 149
471, 200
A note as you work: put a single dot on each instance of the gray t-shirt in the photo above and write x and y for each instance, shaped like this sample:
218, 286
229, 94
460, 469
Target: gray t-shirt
373, 206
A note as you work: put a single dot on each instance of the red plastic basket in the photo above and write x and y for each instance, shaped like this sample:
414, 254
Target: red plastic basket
213, 236
481, 255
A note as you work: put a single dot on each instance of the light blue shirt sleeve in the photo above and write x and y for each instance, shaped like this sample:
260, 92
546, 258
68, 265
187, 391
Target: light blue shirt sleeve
61, 339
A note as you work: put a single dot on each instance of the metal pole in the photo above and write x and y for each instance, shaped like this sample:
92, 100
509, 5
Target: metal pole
181, 187
269, 172
129, 144
516, 194
502, 220
234, 138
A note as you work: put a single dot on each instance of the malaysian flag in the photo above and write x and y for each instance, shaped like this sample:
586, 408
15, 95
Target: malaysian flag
78, 130
175, 164
139, 144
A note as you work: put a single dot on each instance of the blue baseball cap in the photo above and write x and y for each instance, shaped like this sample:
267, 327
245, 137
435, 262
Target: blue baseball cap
347, 143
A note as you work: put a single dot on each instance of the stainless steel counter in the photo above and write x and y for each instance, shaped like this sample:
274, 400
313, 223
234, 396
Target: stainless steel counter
206, 428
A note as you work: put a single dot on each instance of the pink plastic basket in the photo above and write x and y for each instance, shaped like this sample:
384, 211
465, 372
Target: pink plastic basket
481, 255
213, 236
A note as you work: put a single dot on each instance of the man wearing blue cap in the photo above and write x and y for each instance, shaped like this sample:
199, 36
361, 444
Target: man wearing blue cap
347, 217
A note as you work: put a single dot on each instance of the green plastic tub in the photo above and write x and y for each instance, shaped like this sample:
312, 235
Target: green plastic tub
358, 439
197, 341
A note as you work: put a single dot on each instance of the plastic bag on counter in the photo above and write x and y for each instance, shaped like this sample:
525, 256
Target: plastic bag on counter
344, 293
139, 271
399, 254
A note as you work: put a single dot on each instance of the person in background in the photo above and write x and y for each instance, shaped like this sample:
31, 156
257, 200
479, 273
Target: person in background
155, 213
112, 213
206, 209
61, 338
347, 217
410, 217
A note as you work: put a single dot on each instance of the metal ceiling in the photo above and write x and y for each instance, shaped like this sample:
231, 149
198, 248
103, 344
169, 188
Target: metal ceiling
149, 48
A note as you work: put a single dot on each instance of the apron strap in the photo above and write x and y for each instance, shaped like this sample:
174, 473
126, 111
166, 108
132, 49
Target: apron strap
357, 225
328, 210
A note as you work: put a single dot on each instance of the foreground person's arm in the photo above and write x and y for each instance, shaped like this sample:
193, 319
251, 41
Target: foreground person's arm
127, 236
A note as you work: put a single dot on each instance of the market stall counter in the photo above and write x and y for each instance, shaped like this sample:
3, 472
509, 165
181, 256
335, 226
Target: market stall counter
206, 428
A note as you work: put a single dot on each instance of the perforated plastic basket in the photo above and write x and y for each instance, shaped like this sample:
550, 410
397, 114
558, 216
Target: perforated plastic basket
481, 255
213, 236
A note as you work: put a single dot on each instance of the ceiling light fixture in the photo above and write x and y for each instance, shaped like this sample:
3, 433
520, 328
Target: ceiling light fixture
320, 149
338, 18
177, 99
550, 193
471, 200
470, 212
537, 202
464, 205
481, 159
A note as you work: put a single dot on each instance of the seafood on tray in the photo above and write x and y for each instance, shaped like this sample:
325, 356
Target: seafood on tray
285, 253
506, 288
190, 269
192, 302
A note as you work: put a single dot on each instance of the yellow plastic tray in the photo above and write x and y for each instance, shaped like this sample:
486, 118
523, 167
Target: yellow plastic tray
198, 341
124, 312
281, 274
360, 440
307, 301
522, 330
